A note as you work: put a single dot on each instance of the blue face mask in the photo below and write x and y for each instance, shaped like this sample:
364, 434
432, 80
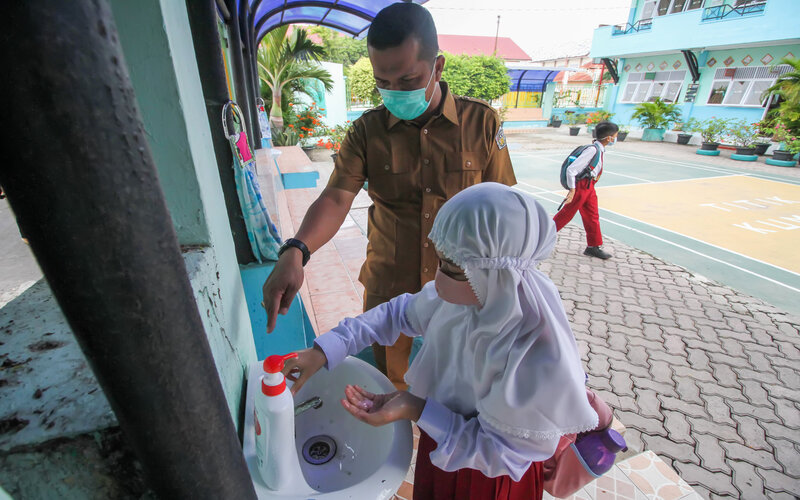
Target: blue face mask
407, 104
614, 141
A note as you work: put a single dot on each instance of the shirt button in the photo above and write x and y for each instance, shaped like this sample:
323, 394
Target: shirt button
427, 216
386, 167
425, 244
425, 270
425, 131
427, 190
426, 161
469, 163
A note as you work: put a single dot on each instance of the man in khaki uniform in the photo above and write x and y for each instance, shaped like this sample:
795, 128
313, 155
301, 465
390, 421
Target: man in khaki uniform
417, 150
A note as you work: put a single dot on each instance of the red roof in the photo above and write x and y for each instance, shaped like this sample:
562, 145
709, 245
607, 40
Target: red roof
476, 45
580, 77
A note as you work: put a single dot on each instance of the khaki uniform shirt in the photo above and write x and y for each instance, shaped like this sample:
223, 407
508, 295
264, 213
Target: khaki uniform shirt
412, 170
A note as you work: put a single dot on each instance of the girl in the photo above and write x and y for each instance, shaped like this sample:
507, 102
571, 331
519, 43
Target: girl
498, 379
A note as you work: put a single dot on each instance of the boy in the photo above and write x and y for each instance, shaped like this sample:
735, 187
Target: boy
581, 178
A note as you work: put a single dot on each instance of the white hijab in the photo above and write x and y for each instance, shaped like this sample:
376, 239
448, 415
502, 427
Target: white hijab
513, 361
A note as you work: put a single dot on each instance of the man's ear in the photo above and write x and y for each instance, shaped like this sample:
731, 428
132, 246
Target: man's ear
439, 67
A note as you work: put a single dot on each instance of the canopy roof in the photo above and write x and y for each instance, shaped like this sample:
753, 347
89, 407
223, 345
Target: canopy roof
349, 16
529, 78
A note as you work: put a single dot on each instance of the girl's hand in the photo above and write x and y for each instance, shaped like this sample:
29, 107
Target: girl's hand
307, 363
382, 409
570, 196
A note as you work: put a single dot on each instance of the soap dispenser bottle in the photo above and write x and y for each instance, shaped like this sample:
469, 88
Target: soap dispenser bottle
275, 444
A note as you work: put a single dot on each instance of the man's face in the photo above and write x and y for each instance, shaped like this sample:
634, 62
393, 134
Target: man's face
399, 68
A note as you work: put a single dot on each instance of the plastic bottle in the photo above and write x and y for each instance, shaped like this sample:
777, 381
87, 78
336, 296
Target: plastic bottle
599, 449
275, 442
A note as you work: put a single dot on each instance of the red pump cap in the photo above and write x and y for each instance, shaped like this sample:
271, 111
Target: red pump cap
274, 364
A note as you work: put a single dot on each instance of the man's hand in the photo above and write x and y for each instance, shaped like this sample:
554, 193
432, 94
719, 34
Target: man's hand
307, 363
382, 409
570, 196
282, 285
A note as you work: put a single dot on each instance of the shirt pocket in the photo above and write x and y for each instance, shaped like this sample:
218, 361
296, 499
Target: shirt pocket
464, 169
389, 172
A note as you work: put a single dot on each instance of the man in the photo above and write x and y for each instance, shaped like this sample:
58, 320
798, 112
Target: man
417, 150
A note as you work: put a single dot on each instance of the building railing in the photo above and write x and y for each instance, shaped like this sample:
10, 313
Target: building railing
727, 11
640, 25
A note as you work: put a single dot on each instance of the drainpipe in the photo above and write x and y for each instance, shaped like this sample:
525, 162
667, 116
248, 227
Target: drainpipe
208, 51
81, 179
241, 84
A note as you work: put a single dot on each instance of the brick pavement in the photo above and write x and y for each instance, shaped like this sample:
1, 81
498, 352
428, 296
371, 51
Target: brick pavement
703, 375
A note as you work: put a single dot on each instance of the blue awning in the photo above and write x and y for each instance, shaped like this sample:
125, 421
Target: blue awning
351, 16
529, 78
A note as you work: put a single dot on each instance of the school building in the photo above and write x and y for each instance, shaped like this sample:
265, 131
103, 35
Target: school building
715, 58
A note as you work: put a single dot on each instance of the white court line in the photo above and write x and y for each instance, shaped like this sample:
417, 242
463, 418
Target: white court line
607, 172
708, 168
673, 180
692, 250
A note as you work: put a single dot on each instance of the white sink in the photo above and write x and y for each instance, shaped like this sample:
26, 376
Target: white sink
368, 463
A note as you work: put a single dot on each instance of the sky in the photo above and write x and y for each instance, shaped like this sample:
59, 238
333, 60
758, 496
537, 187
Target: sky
542, 28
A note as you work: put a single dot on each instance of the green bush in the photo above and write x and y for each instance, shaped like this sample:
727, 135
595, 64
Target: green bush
656, 114
711, 130
482, 77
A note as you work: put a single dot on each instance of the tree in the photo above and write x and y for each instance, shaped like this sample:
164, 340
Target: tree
340, 49
284, 59
362, 82
787, 86
482, 77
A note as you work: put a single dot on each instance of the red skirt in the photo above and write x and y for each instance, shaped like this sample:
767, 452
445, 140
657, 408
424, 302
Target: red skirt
432, 483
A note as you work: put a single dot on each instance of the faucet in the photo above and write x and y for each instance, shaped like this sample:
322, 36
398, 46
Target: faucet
314, 403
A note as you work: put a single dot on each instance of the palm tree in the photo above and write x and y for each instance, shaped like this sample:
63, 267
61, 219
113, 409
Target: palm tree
284, 59
788, 87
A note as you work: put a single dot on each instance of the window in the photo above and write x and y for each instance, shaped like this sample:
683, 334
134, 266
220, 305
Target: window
675, 6
743, 86
644, 87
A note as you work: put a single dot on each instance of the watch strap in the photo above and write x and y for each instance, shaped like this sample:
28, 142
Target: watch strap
295, 243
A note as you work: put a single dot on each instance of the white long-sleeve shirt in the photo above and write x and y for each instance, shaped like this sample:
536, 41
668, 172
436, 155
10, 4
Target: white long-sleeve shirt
463, 441
577, 166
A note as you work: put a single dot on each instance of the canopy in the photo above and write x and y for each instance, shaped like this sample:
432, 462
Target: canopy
530, 78
349, 16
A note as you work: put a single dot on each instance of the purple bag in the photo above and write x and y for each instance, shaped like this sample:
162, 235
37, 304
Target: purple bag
580, 459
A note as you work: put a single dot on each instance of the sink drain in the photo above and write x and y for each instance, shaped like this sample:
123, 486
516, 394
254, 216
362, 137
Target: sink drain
319, 450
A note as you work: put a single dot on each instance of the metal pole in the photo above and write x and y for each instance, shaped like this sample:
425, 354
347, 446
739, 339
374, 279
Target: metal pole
496, 33
81, 179
208, 51
252, 77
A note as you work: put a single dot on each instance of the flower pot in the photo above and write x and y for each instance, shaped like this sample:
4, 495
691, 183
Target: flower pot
334, 155
684, 138
709, 146
782, 155
574, 130
621, 136
749, 151
653, 134
556, 123
761, 148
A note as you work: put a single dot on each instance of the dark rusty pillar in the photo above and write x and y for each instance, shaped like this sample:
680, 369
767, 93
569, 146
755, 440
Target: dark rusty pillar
81, 179
241, 70
208, 50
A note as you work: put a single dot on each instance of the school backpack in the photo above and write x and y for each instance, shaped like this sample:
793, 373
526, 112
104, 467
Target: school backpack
586, 172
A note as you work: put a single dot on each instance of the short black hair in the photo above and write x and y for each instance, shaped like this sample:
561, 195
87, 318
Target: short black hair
395, 23
605, 129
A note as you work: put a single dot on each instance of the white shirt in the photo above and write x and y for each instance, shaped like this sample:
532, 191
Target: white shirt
582, 161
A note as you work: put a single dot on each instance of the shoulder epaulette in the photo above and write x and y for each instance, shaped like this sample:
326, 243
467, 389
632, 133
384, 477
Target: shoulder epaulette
473, 99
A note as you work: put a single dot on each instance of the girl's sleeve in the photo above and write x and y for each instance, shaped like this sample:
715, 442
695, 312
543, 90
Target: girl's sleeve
382, 324
473, 443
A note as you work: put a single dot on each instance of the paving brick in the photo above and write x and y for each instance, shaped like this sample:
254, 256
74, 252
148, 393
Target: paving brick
716, 482
637, 355
780, 496
688, 390
760, 413
648, 403
745, 479
779, 482
724, 375
725, 359
712, 455
790, 377
671, 359
707, 426
689, 409
714, 389
781, 392
677, 426
759, 458
787, 455
755, 393
787, 412
752, 433
661, 371
621, 382
648, 426
658, 387
675, 451
779, 431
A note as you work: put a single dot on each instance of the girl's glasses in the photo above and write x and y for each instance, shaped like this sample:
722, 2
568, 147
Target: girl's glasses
451, 270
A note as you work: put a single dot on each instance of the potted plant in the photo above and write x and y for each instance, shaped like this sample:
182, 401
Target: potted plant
573, 119
335, 137
764, 131
555, 121
684, 136
743, 136
655, 117
595, 117
624, 130
710, 132
781, 134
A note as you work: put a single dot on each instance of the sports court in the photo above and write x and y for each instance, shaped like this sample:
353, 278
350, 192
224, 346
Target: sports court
739, 228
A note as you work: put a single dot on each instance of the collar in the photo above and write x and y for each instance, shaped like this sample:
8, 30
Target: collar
447, 108
602, 148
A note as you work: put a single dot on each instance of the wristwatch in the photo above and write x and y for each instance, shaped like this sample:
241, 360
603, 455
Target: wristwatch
291, 242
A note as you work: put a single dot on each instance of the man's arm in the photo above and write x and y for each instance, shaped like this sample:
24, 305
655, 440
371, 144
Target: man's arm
323, 219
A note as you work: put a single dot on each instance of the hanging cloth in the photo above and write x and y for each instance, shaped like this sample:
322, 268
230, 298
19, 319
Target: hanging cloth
264, 238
